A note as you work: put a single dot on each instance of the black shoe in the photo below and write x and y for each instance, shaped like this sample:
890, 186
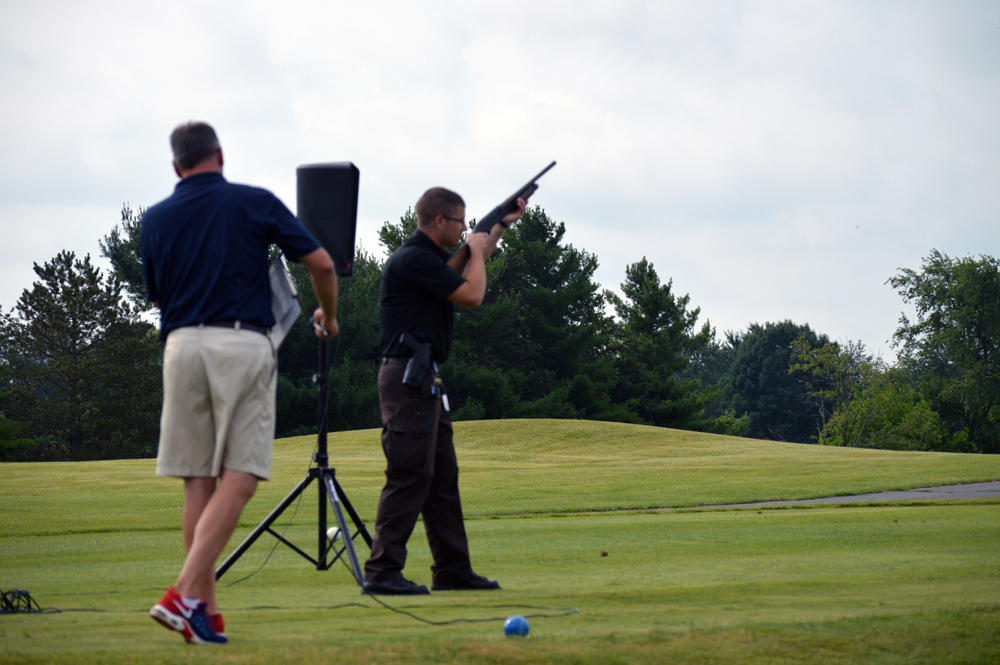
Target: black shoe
396, 587
471, 583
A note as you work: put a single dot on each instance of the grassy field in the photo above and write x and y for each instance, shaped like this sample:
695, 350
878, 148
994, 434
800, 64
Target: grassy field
891, 583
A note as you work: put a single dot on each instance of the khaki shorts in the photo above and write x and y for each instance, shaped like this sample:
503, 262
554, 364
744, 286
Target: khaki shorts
218, 403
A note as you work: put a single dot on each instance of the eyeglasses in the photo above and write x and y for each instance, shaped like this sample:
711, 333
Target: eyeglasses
453, 219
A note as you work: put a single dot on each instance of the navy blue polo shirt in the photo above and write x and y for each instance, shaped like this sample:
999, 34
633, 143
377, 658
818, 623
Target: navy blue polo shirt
204, 251
413, 297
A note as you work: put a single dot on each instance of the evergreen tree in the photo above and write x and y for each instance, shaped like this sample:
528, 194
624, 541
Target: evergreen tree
14, 447
655, 339
82, 369
391, 236
122, 247
539, 345
710, 365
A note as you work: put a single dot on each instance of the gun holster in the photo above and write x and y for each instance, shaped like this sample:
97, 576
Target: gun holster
418, 363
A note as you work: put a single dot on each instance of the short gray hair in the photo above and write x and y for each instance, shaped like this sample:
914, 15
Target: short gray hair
192, 143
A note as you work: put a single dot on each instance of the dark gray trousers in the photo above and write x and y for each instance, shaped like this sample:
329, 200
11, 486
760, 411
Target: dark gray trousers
407, 416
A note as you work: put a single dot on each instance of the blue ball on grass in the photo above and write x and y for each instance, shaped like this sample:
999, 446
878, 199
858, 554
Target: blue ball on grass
516, 626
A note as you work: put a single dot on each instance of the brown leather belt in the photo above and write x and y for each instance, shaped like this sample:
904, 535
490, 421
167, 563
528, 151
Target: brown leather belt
237, 325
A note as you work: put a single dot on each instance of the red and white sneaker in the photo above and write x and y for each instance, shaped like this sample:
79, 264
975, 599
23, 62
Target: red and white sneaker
194, 623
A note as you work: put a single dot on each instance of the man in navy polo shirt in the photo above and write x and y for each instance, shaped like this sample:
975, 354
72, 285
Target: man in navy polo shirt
204, 254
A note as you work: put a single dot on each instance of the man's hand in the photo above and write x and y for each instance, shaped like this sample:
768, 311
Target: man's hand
323, 274
515, 215
325, 327
476, 243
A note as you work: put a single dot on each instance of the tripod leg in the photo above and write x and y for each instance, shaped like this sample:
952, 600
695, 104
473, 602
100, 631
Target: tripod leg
324, 545
262, 527
331, 489
353, 513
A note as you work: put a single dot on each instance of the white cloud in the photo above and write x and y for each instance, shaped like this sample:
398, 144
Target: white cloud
39, 233
777, 160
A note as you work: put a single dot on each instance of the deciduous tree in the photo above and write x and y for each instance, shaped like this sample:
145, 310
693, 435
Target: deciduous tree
861, 402
953, 345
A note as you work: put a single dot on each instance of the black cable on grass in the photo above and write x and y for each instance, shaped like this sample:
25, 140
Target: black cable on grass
558, 611
56, 610
562, 612
106, 593
21, 601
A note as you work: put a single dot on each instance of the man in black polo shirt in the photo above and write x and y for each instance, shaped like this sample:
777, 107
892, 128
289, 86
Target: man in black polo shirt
420, 282
204, 254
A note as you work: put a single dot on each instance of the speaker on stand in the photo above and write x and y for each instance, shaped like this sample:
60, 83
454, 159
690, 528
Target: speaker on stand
328, 208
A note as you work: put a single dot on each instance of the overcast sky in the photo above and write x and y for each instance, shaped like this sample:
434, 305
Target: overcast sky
776, 160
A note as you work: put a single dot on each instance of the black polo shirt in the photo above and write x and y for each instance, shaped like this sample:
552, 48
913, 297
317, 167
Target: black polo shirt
413, 297
204, 251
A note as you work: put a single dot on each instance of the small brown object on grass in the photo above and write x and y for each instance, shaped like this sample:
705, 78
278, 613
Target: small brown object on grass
604, 553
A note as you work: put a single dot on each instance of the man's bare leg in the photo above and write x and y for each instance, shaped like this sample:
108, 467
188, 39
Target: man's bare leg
211, 533
197, 492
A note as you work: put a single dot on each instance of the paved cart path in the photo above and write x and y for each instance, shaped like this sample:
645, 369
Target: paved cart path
973, 491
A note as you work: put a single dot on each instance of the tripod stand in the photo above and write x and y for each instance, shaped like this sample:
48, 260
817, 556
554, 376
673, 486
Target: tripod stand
329, 489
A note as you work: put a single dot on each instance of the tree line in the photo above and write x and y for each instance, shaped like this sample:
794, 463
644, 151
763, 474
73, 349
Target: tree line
80, 360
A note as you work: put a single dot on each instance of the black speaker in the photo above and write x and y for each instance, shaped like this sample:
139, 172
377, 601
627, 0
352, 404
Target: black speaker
328, 207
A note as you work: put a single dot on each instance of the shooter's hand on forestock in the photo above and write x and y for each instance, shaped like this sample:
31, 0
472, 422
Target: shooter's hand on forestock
515, 214
498, 229
325, 327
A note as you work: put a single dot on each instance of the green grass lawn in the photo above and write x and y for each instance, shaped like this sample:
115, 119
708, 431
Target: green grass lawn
891, 583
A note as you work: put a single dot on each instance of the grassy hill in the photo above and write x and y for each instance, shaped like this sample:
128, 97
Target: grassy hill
544, 500
508, 467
